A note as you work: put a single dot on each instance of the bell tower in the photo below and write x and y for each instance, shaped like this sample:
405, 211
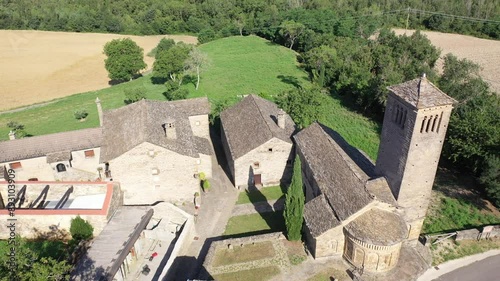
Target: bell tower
415, 123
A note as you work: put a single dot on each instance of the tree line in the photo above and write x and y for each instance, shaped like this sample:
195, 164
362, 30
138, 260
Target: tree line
221, 18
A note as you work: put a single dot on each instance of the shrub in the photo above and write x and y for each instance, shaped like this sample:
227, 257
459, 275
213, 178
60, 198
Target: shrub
206, 185
81, 114
17, 128
134, 94
179, 94
81, 229
202, 176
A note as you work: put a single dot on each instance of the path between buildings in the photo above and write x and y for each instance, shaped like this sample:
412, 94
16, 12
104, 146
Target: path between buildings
434, 272
214, 212
258, 207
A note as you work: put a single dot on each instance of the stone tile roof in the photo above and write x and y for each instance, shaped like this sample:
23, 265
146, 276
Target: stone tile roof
39, 146
104, 257
251, 123
318, 216
421, 93
143, 121
58, 156
378, 227
338, 176
380, 189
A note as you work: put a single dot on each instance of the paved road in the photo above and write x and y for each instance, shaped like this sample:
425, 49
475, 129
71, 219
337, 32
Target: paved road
484, 270
480, 267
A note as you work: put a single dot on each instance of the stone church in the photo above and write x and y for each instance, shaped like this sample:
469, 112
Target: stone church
369, 213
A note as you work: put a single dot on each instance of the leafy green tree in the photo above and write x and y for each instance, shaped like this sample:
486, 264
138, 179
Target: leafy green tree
124, 59
490, 178
17, 128
134, 95
163, 45
179, 94
81, 229
81, 114
29, 265
290, 30
304, 105
206, 35
170, 63
294, 203
196, 62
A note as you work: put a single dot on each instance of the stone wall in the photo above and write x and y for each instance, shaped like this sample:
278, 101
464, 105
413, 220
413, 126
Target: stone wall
476, 234
330, 243
164, 176
33, 168
269, 160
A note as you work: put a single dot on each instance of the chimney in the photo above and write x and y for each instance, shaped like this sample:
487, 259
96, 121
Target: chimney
12, 135
99, 110
170, 129
281, 119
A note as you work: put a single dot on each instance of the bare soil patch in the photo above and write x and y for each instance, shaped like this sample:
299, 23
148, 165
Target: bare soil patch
38, 66
484, 52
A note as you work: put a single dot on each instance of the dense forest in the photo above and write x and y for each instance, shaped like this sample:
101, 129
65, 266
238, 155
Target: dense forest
332, 39
214, 18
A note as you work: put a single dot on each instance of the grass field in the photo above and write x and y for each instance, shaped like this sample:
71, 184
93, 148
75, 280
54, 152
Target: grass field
254, 274
263, 194
255, 223
38, 66
239, 65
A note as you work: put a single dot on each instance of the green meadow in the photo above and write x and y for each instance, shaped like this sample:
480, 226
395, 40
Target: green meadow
238, 66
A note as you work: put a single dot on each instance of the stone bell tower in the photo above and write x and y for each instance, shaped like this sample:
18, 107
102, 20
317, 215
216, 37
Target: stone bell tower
415, 122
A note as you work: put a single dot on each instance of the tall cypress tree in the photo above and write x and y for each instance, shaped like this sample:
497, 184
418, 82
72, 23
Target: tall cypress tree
294, 203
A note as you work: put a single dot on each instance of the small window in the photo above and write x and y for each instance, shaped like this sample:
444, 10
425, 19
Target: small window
270, 150
155, 171
61, 168
89, 153
197, 123
15, 165
256, 165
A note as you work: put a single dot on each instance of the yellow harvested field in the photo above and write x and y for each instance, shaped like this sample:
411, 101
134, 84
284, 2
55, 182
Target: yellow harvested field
484, 52
37, 66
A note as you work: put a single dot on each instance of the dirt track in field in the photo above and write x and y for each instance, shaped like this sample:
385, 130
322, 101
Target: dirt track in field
484, 52
37, 66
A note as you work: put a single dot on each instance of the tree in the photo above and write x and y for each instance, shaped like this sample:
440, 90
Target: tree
81, 229
304, 105
196, 63
163, 45
294, 203
170, 63
29, 265
17, 128
134, 95
124, 59
291, 30
81, 114
490, 178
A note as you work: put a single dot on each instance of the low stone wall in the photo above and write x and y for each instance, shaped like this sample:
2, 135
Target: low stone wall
476, 234
238, 241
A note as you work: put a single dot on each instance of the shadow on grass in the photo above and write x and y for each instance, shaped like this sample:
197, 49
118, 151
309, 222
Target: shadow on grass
291, 80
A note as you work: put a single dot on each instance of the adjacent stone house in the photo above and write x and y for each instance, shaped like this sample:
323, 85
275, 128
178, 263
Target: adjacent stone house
72, 155
256, 136
156, 149
367, 213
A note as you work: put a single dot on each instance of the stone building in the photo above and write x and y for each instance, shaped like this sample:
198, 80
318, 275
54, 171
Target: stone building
367, 212
72, 155
256, 136
156, 149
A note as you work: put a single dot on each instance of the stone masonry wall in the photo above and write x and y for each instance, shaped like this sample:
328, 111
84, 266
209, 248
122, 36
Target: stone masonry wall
272, 165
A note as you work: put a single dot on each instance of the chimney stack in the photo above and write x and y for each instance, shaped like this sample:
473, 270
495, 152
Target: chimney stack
99, 110
12, 135
170, 129
281, 119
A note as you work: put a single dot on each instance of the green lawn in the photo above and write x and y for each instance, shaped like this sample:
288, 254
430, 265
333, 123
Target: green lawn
47, 248
254, 274
262, 194
264, 222
239, 65
245, 253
